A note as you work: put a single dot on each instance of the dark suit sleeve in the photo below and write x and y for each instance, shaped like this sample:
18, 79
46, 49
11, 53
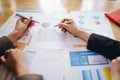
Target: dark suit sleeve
5, 44
107, 47
30, 77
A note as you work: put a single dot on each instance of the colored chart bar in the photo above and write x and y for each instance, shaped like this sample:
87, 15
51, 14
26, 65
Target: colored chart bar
107, 73
99, 75
87, 75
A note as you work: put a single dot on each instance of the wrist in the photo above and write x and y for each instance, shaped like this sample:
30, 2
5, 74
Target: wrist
21, 69
16, 33
83, 35
14, 36
78, 33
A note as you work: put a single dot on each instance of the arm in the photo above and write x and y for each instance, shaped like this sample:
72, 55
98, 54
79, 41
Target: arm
74, 30
103, 45
7, 42
15, 59
107, 47
20, 28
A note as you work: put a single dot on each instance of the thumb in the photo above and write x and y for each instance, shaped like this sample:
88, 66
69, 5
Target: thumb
3, 60
63, 25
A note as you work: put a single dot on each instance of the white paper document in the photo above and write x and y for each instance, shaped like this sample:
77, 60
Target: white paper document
94, 22
55, 64
45, 35
50, 63
48, 36
52, 53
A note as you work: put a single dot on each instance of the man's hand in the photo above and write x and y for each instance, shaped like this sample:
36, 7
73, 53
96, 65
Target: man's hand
15, 59
20, 28
22, 25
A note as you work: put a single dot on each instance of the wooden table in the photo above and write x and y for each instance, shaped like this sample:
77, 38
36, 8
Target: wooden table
7, 7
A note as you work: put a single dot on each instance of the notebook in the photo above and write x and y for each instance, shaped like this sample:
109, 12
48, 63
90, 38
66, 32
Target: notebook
114, 16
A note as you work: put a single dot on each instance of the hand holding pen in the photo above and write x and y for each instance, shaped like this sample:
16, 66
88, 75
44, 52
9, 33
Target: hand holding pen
64, 24
70, 26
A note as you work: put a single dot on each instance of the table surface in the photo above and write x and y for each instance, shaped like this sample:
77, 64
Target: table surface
7, 7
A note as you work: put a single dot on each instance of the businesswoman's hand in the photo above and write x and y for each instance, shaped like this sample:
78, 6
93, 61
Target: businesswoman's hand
20, 27
15, 59
73, 29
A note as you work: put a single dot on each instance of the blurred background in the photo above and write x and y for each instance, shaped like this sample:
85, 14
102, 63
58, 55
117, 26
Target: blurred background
7, 7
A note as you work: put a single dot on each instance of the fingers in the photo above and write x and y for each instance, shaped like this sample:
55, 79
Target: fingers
115, 65
20, 20
63, 30
32, 23
65, 19
115, 69
65, 22
63, 25
25, 21
118, 59
9, 51
28, 21
3, 60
